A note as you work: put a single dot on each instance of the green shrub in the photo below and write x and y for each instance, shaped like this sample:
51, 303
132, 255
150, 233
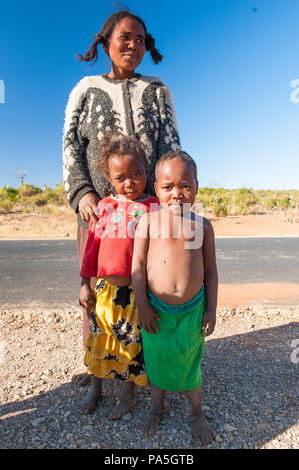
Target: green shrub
28, 190
285, 202
6, 205
12, 193
220, 205
40, 200
56, 196
60, 197
244, 199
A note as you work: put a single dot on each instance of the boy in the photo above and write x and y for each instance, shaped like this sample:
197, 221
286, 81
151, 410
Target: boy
175, 280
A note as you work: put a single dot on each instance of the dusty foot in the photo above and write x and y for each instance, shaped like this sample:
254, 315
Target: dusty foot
90, 401
125, 404
203, 433
80, 377
150, 422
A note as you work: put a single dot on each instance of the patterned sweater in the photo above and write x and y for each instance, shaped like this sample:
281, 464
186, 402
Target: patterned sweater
140, 106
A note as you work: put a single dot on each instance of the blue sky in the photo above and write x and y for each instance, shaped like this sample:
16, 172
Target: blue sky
228, 63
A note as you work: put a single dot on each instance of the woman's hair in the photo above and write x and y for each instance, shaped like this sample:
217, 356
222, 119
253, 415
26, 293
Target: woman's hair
176, 155
104, 36
118, 144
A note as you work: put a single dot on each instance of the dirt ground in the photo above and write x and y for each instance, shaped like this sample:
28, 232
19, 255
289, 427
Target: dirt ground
249, 367
49, 226
249, 385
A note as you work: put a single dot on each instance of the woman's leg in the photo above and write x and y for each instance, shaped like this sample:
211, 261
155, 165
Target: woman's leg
80, 376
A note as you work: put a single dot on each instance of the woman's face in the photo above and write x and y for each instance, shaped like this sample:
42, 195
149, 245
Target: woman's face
127, 44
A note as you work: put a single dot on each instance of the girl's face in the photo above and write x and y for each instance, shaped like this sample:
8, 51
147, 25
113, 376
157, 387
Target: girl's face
127, 44
127, 175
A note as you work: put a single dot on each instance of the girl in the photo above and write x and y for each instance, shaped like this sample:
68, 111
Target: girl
121, 101
113, 347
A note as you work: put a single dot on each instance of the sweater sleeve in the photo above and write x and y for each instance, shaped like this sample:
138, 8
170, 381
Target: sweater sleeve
76, 180
168, 134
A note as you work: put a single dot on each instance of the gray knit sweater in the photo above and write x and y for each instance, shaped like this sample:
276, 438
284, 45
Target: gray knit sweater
140, 106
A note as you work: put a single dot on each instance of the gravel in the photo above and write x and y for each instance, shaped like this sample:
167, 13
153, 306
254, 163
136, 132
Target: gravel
249, 385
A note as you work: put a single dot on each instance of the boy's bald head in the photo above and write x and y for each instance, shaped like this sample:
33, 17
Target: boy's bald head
176, 155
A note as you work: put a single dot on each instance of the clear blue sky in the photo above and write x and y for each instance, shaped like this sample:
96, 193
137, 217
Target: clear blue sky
228, 63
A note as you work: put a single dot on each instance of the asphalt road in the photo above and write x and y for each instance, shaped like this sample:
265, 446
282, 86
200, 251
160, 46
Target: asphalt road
47, 271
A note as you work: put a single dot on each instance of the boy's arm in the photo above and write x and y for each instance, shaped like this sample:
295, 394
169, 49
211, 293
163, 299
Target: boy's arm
146, 314
210, 277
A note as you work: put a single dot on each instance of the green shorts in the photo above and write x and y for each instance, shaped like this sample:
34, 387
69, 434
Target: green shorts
173, 355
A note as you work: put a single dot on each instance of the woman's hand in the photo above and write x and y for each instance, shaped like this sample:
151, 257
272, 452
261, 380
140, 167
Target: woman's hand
148, 318
88, 208
87, 297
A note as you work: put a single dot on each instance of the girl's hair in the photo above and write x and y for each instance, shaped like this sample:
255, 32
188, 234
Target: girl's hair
118, 144
176, 155
104, 36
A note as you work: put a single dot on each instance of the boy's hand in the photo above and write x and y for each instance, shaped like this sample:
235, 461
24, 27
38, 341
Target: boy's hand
86, 297
148, 318
209, 319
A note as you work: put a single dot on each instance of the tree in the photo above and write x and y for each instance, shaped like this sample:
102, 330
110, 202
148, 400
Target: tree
21, 175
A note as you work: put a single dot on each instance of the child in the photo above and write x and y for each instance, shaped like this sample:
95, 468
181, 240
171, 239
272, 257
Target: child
175, 282
113, 347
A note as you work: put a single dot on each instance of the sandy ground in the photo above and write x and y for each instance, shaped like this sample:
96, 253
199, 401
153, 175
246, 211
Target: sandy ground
46, 226
249, 385
249, 366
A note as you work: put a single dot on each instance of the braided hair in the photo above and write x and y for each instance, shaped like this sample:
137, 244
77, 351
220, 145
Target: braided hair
105, 34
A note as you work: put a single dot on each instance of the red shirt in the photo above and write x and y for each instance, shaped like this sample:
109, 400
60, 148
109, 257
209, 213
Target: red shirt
109, 248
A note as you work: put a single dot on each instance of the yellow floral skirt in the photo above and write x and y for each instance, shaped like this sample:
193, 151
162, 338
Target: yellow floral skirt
113, 346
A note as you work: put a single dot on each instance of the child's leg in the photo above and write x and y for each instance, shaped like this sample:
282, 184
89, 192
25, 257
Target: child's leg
151, 421
94, 395
126, 401
203, 433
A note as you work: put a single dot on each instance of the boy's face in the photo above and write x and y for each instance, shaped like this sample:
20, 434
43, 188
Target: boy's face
127, 175
176, 184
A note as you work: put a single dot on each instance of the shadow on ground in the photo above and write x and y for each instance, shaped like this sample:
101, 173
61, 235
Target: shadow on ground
249, 394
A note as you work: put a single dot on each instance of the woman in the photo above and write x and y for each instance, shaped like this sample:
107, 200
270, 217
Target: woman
120, 101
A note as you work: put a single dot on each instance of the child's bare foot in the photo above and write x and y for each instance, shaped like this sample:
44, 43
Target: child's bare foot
150, 423
126, 402
203, 433
90, 401
81, 377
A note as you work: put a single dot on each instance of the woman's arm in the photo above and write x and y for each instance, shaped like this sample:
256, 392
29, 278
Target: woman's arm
76, 181
168, 133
